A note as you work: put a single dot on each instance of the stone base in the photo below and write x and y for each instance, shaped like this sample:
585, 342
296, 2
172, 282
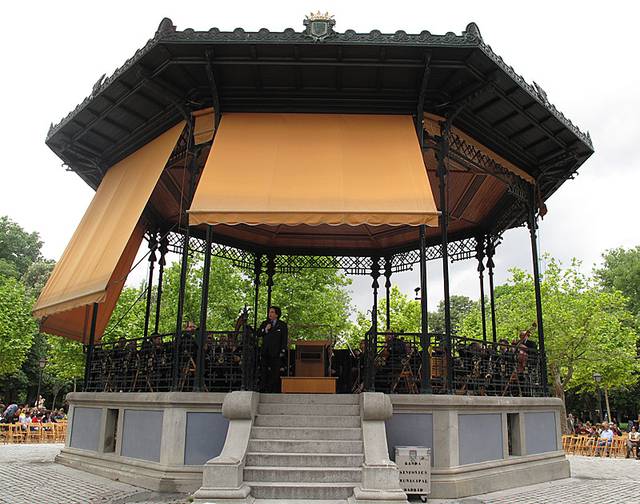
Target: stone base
484, 478
239, 495
366, 496
156, 477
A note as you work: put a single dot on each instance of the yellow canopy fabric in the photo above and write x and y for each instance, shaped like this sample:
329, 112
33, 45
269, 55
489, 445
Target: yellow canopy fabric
75, 323
314, 169
82, 275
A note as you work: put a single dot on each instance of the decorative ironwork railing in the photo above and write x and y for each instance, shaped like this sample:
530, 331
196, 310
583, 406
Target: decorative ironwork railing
231, 361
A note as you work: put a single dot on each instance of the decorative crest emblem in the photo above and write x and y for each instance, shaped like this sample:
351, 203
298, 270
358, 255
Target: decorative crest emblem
319, 26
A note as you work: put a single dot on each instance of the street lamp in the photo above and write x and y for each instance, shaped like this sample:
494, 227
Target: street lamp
597, 377
42, 362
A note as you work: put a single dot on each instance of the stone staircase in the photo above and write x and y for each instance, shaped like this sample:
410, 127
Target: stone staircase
305, 447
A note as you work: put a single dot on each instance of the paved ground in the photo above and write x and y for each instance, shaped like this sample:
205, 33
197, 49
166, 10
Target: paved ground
28, 475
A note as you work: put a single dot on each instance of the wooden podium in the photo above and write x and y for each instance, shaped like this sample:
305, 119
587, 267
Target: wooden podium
310, 365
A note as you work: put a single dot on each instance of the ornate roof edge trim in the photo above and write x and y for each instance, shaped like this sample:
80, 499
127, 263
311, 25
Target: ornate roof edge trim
470, 37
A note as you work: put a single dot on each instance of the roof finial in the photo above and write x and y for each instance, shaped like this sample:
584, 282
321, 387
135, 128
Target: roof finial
165, 26
319, 26
472, 30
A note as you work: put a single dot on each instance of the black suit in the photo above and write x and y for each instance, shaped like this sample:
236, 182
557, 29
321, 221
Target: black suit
274, 347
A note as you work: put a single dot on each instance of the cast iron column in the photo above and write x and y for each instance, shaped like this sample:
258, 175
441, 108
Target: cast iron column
532, 223
257, 269
425, 380
204, 304
443, 153
480, 258
153, 243
490, 251
271, 270
387, 286
92, 341
372, 344
183, 285
164, 248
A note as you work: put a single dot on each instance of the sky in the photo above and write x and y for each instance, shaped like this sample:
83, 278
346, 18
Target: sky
582, 53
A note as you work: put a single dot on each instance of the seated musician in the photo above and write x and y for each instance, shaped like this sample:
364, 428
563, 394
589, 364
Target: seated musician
275, 343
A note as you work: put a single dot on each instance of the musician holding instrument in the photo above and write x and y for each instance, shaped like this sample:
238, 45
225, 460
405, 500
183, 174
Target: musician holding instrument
275, 344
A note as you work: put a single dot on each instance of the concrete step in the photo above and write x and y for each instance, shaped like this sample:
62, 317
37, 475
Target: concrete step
308, 409
304, 491
303, 474
304, 446
307, 421
310, 433
300, 501
326, 460
310, 398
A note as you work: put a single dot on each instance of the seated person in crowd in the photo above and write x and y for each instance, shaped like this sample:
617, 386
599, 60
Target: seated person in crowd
633, 443
606, 436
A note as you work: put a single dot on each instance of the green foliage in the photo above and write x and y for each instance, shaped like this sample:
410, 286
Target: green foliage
460, 307
315, 303
17, 328
127, 320
66, 359
17, 247
586, 330
621, 272
36, 276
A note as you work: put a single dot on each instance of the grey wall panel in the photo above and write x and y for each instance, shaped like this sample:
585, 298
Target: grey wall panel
206, 433
540, 432
85, 428
142, 434
480, 437
409, 429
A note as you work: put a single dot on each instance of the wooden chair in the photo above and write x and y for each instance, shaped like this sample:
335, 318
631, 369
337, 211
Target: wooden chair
17, 434
60, 429
48, 433
5, 435
583, 445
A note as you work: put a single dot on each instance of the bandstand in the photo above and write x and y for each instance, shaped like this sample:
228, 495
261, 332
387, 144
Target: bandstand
370, 153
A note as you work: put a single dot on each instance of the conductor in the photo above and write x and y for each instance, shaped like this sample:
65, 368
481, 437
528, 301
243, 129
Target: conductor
275, 336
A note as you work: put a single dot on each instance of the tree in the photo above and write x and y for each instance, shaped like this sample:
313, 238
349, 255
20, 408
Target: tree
18, 249
460, 307
621, 272
586, 329
315, 302
36, 276
17, 327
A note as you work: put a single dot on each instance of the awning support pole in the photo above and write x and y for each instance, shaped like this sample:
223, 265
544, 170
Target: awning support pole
153, 243
204, 302
490, 251
371, 345
387, 286
271, 270
442, 154
92, 342
533, 225
480, 258
164, 248
425, 380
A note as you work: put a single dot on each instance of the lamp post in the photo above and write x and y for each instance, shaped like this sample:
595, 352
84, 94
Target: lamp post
42, 362
597, 377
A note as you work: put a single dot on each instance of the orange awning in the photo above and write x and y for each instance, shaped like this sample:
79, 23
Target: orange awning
314, 169
97, 260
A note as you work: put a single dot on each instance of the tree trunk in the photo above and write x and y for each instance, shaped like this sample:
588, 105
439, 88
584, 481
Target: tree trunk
558, 391
606, 400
